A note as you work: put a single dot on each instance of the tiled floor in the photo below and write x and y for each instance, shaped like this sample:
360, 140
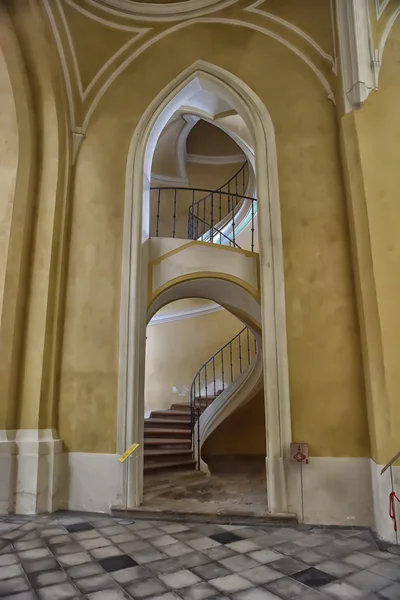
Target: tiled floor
70, 556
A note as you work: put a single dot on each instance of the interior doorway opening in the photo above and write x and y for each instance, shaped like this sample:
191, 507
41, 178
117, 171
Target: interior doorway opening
197, 354
260, 150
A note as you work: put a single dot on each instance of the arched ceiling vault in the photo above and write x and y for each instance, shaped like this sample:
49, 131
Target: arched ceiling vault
98, 39
90, 65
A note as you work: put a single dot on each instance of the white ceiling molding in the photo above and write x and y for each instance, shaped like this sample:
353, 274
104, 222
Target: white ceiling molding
139, 33
167, 180
187, 313
129, 59
229, 159
64, 66
333, 25
107, 22
380, 7
254, 8
358, 59
175, 11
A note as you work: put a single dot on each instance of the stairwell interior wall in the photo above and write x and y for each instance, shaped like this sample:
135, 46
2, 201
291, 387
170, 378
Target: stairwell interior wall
206, 139
326, 380
241, 434
175, 352
211, 177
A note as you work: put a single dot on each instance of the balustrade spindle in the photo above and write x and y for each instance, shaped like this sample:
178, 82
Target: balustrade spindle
222, 369
174, 216
240, 353
252, 225
158, 212
214, 380
212, 218
231, 361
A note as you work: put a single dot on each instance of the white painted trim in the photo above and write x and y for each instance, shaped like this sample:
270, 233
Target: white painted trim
357, 57
106, 22
175, 28
254, 9
187, 313
161, 12
168, 180
333, 25
228, 159
134, 271
64, 65
380, 7
385, 35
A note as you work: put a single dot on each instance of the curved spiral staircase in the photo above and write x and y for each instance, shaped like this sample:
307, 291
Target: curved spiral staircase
173, 437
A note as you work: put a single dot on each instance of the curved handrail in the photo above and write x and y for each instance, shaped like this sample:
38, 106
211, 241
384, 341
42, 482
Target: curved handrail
200, 398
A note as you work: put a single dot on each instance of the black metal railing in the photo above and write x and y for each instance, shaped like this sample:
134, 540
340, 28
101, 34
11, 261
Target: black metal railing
217, 205
179, 213
219, 372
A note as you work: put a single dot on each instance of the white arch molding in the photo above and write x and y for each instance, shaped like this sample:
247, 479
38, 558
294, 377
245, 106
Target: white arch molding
133, 317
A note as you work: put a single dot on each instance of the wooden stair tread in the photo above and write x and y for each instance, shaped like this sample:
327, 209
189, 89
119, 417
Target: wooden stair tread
170, 412
169, 465
167, 431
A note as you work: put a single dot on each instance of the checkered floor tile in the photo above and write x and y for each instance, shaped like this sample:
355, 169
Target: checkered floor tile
70, 556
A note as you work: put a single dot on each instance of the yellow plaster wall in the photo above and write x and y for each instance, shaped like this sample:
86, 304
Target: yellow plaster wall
175, 351
326, 382
211, 177
374, 173
241, 434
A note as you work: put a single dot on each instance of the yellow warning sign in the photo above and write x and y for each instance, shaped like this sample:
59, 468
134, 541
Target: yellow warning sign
128, 452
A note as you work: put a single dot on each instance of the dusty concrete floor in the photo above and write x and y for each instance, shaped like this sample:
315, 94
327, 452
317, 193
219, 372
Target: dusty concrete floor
236, 487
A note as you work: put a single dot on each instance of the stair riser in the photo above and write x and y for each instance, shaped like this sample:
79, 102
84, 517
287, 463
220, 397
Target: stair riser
167, 440
161, 467
167, 457
168, 449
166, 433
181, 418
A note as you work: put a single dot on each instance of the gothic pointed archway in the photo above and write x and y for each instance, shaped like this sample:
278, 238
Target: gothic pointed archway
135, 261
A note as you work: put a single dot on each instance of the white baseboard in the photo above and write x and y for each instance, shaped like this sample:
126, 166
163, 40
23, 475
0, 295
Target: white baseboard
336, 491
90, 482
37, 477
381, 488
